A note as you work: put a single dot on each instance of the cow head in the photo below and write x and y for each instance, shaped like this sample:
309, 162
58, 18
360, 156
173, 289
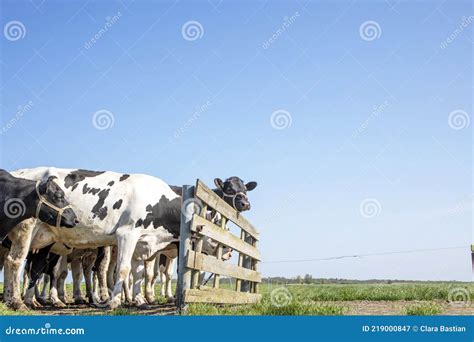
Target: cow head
234, 192
52, 207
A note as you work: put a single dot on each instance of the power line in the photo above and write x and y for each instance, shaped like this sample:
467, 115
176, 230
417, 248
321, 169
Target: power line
365, 255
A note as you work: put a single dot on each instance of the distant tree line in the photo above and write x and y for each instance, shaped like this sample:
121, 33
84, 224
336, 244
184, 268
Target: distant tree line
308, 279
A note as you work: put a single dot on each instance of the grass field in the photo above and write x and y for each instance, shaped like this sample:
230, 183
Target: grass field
318, 299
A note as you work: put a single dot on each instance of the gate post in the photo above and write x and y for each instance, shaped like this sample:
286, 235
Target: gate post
247, 263
184, 274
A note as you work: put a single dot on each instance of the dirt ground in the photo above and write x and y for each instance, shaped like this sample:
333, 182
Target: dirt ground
86, 310
396, 307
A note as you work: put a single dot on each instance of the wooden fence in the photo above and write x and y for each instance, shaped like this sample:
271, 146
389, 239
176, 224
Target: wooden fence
194, 227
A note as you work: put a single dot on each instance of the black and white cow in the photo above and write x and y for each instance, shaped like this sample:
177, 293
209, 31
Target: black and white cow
163, 265
138, 213
54, 267
112, 209
234, 192
21, 202
21, 199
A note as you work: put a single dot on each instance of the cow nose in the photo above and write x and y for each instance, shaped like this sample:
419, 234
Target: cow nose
76, 221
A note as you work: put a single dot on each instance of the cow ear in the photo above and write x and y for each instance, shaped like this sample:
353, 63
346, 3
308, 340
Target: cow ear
50, 182
51, 178
219, 183
251, 185
43, 187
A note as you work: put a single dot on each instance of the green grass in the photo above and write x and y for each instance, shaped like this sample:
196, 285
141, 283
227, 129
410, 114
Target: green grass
265, 307
376, 292
423, 309
422, 298
325, 299
5, 311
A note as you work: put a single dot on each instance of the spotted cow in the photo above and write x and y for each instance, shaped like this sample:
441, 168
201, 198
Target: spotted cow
138, 213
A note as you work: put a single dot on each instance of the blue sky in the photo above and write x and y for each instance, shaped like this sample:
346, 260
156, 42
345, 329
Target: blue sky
372, 103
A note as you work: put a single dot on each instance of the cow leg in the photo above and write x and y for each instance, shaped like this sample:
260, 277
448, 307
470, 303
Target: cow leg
3, 254
42, 297
127, 289
169, 276
95, 287
76, 270
112, 268
25, 282
44, 290
87, 264
156, 274
202, 277
138, 270
37, 264
95, 281
150, 280
126, 243
21, 239
61, 281
162, 280
54, 270
102, 274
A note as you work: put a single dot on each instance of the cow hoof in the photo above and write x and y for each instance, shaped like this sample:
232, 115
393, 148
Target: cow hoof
113, 304
63, 299
33, 304
59, 304
42, 301
143, 306
79, 301
17, 305
170, 300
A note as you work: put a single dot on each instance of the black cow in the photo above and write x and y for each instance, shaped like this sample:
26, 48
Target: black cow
21, 199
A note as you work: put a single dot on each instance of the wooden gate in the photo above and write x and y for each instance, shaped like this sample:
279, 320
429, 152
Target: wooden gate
194, 227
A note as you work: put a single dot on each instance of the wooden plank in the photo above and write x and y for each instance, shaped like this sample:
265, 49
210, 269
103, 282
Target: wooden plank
184, 275
255, 268
217, 277
207, 228
196, 274
238, 282
202, 262
247, 263
214, 201
220, 296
